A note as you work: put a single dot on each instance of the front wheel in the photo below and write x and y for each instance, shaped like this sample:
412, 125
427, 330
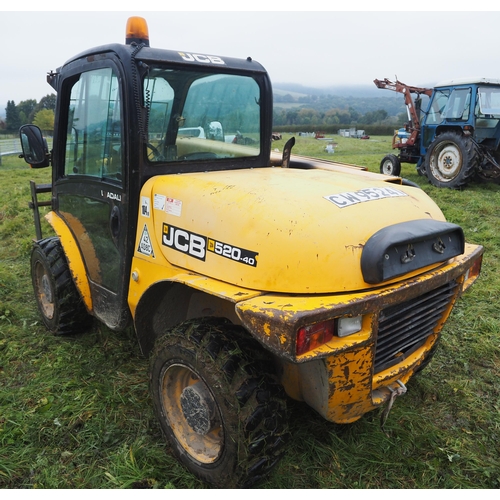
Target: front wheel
390, 165
217, 402
58, 300
451, 160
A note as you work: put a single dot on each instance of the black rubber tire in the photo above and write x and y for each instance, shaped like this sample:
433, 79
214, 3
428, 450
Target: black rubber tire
421, 169
451, 160
58, 300
226, 383
390, 165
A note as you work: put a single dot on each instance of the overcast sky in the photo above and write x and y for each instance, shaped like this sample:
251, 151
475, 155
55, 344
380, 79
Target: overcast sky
318, 48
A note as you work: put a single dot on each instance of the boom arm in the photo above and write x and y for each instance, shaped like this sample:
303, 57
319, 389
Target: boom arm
406, 90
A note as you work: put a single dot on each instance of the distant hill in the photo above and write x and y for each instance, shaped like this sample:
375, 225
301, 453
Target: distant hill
361, 98
340, 90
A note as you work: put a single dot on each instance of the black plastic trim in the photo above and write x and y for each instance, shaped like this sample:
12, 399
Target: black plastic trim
405, 247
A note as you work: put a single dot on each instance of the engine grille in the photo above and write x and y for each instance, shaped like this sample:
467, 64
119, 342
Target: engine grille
404, 327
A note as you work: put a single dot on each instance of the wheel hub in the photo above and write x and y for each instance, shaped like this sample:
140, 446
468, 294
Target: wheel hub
387, 167
449, 162
47, 290
197, 407
192, 413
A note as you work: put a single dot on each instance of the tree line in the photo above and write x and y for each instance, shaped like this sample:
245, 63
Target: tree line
30, 111
317, 114
328, 109
335, 116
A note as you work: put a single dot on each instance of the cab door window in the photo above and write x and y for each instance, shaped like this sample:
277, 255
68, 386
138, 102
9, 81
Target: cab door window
90, 192
94, 127
489, 102
458, 105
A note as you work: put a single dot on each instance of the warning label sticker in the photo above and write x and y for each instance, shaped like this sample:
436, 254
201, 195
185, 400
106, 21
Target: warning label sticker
145, 246
173, 207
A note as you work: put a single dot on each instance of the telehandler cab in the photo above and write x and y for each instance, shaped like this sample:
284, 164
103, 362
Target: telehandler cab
249, 276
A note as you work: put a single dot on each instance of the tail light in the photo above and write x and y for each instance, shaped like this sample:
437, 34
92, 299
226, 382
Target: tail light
312, 336
472, 273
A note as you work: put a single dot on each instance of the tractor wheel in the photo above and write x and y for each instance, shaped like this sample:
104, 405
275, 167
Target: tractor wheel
58, 300
218, 402
390, 165
451, 160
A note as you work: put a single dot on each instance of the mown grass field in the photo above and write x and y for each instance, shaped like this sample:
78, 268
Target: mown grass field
76, 413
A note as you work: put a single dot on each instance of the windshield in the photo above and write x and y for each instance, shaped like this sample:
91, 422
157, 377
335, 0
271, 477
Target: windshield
437, 107
193, 116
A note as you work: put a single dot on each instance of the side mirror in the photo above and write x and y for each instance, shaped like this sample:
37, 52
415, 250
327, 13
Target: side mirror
35, 150
215, 131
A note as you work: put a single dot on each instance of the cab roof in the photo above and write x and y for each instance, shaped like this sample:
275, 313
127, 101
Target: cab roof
469, 81
197, 59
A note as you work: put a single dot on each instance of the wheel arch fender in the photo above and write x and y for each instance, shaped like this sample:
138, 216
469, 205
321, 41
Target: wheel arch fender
441, 129
73, 256
167, 303
448, 128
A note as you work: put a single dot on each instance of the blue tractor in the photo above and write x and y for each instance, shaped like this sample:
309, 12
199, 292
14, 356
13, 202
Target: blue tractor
454, 138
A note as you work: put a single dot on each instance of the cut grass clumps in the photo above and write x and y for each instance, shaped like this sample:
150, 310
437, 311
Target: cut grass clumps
76, 413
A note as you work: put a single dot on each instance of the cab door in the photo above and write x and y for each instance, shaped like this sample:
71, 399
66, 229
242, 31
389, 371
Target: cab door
90, 183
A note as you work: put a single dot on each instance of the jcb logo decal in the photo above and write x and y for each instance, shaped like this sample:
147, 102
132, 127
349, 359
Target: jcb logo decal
184, 241
201, 58
197, 246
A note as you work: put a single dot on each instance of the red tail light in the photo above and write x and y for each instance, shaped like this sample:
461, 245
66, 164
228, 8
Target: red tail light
475, 270
472, 273
312, 336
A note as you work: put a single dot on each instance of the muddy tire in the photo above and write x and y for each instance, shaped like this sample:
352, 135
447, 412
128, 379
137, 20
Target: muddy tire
218, 403
451, 161
58, 300
390, 165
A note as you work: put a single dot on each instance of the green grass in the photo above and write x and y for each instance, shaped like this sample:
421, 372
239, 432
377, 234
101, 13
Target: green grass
76, 413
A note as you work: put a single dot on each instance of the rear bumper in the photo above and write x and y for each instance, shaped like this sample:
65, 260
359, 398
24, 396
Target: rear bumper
342, 388
340, 379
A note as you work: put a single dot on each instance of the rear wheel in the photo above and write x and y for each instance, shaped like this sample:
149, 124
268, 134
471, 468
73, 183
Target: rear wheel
390, 165
451, 160
218, 403
58, 300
